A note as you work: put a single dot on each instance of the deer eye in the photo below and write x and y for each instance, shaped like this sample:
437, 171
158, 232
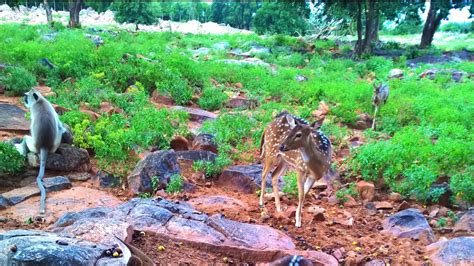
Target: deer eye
298, 135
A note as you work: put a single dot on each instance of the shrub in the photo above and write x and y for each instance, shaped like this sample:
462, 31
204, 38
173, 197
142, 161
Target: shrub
213, 169
17, 81
175, 185
212, 98
11, 161
461, 27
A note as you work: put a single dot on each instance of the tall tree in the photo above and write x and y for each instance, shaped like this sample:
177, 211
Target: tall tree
74, 9
439, 10
282, 17
136, 12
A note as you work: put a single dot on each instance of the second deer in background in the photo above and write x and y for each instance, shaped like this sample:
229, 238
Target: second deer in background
379, 98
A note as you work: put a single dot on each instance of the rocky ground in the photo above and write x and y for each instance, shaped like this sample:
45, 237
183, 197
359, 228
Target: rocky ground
212, 220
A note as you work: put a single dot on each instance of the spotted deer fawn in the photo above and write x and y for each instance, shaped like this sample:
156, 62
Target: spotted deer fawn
307, 151
379, 98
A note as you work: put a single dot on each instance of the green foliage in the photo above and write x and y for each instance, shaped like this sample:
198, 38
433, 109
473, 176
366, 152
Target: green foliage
175, 185
462, 185
213, 169
459, 27
17, 80
136, 12
441, 222
342, 193
281, 17
11, 161
291, 184
212, 98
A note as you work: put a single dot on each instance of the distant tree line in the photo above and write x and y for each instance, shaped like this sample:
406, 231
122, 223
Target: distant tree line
364, 18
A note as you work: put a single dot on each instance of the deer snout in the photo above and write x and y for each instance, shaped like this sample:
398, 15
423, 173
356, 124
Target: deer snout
282, 147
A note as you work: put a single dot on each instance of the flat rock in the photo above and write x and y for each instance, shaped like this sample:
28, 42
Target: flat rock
67, 158
207, 156
457, 251
179, 222
13, 118
196, 114
409, 223
383, 205
33, 247
159, 164
51, 184
245, 178
465, 224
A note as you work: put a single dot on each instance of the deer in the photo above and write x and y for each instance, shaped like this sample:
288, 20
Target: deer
278, 152
379, 98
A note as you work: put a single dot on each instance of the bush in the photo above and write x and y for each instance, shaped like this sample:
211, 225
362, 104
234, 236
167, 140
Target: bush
213, 169
175, 185
460, 27
11, 161
212, 98
17, 81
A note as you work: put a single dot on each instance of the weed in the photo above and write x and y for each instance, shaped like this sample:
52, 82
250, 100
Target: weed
441, 222
175, 185
342, 194
212, 98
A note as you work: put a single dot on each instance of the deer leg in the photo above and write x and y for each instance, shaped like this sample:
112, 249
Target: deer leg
300, 198
308, 184
373, 121
266, 169
281, 168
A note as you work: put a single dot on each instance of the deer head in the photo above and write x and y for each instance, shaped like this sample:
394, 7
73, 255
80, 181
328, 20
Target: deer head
299, 136
377, 87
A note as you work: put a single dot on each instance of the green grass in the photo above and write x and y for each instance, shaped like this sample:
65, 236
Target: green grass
424, 131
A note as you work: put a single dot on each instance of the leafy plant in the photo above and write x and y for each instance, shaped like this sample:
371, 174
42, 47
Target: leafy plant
175, 185
213, 169
342, 193
462, 185
11, 161
17, 80
441, 222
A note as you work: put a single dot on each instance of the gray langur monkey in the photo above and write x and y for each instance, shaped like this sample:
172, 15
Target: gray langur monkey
46, 132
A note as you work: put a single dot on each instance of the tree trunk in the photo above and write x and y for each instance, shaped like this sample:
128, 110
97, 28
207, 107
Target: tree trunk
370, 27
431, 24
358, 46
74, 9
49, 15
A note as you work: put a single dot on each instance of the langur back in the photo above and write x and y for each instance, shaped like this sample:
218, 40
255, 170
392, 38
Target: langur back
44, 126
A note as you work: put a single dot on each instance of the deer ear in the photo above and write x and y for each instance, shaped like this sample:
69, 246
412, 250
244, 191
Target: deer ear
315, 125
291, 120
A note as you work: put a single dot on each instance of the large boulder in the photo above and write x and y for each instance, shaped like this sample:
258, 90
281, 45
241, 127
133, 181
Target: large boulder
67, 158
409, 223
205, 142
18, 195
245, 178
160, 165
32, 247
181, 223
465, 225
457, 251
